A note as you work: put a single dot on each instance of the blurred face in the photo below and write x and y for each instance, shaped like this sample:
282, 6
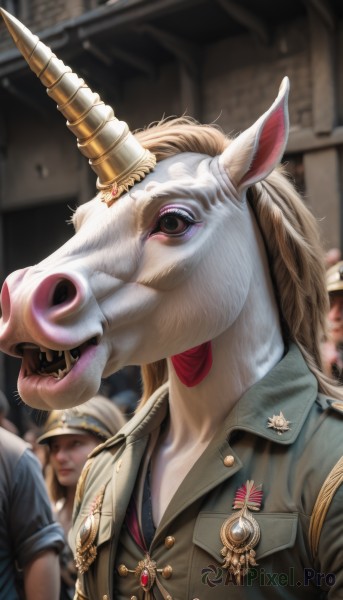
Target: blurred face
335, 318
68, 454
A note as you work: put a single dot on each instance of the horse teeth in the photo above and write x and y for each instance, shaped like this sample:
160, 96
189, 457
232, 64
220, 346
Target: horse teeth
49, 355
67, 357
60, 374
60, 353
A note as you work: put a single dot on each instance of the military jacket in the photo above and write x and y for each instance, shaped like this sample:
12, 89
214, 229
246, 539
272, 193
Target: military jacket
299, 466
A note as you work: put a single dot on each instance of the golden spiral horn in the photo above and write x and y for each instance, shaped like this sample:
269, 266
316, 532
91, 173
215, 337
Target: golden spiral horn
114, 154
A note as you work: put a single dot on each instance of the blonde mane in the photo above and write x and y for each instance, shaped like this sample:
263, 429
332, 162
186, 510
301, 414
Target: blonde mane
291, 238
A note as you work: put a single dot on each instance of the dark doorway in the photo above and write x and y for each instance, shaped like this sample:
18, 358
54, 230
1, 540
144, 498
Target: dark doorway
29, 236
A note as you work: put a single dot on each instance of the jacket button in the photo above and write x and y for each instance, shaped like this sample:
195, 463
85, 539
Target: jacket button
105, 597
229, 460
167, 572
133, 598
123, 571
169, 541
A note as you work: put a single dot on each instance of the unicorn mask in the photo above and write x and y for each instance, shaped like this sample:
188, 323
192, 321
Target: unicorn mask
114, 154
177, 263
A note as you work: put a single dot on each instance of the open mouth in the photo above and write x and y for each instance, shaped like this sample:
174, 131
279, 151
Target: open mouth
38, 360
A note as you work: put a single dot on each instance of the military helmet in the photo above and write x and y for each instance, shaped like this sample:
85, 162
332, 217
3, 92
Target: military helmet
334, 278
99, 416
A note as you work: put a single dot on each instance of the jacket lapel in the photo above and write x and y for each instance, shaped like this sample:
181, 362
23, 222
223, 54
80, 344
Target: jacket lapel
207, 473
124, 479
127, 465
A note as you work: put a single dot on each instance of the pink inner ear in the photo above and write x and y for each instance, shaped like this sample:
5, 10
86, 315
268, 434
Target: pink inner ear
270, 145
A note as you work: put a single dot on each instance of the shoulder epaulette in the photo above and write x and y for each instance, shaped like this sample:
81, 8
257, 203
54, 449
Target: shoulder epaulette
337, 405
330, 486
327, 403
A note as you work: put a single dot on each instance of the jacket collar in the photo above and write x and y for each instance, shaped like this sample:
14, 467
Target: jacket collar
289, 388
148, 418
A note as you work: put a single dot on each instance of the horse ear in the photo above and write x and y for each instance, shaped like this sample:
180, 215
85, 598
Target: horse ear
255, 153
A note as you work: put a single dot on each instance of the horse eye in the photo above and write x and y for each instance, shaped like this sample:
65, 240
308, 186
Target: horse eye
173, 223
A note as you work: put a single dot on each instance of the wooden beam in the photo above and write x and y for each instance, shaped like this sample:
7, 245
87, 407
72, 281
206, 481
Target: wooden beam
102, 78
186, 52
97, 52
306, 140
322, 74
322, 178
324, 11
190, 58
138, 62
27, 99
246, 18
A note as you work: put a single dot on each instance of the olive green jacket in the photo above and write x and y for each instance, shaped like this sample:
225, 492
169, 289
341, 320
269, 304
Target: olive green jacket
292, 465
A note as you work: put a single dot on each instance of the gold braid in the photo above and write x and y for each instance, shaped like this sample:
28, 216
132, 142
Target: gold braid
321, 507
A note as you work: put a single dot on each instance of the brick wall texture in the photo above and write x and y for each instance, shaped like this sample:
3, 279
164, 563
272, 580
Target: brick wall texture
245, 75
42, 14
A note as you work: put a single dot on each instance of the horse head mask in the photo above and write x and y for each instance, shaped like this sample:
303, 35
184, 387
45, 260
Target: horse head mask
167, 262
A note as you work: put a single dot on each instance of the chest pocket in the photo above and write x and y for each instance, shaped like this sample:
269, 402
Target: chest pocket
278, 531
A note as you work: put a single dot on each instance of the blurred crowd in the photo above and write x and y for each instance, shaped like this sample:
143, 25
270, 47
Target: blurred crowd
39, 474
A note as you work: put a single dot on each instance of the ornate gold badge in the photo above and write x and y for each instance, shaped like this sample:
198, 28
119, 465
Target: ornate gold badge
240, 533
86, 549
146, 572
279, 423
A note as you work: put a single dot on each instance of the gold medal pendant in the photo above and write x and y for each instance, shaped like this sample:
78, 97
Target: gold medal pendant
146, 573
86, 549
240, 533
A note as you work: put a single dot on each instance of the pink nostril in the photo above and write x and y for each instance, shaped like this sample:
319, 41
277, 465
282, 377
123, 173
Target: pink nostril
65, 292
5, 302
57, 296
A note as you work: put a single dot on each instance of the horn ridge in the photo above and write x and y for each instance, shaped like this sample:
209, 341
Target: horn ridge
114, 153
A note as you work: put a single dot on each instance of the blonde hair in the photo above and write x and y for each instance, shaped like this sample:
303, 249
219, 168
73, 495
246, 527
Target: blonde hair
292, 241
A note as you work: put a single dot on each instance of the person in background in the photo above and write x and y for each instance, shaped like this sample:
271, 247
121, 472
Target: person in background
40, 450
4, 410
332, 256
333, 345
71, 435
30, 540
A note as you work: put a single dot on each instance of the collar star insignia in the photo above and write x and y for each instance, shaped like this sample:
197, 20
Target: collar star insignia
279, 423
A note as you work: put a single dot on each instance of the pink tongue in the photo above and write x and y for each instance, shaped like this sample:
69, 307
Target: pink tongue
193, 365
